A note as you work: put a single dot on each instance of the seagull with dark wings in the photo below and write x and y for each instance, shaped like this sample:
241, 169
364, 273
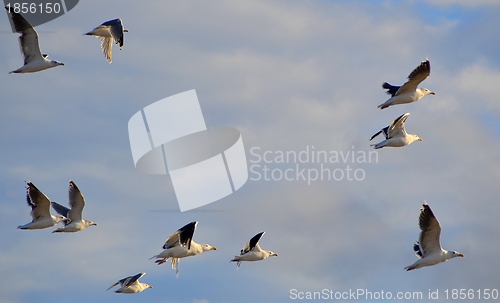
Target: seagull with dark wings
180, 245
34, 61
131, 285
109, 31
409, 92
77, 202
395, 134
428, 248
40, 209
251, 251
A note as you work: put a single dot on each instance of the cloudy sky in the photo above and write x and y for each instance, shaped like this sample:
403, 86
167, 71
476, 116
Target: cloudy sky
291, 76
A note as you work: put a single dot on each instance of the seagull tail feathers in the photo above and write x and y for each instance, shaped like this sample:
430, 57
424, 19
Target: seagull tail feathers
391, 89
382, 106
112, 286
372, 137
408, 268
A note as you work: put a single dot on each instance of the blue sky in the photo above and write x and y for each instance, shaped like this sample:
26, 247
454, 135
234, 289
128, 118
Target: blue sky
287, 75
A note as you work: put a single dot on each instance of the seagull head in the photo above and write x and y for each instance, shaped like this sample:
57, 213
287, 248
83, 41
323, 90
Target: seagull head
428, 92
454, 254
60, 218
208, 247
56, 63
89, 223
272, 254
414, 138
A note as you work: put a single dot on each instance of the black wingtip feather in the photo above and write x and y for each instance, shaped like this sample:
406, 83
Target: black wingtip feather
416, 248
391, 89
186, 233
424, 67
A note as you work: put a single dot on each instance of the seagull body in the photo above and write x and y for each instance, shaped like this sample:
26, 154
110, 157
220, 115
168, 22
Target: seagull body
40, 209
34, 61
180, 245
252, 251
109, 31
77, 202
428, 248
409, 92
131, 285
395, 134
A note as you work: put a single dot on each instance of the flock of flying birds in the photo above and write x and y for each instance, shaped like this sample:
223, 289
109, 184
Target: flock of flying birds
180, 244
428, 248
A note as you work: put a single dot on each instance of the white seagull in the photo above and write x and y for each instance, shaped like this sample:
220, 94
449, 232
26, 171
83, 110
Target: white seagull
131, 285
34, 61
180, 245
395, 134
40, 209
428, 249
109, 31
409, 92
252, 251
77, 202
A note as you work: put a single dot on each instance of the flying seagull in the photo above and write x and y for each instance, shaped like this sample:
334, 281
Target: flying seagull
77, 202
109, 31
395, 134
40, 209
252, 251
428, 249
180, 245
131, 285
409, 92
34, 61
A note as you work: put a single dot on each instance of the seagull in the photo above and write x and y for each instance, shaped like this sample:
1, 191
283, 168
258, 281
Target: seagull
131, 285
34, 61
395, 134
77, 202
40, 209
180, 245
409, 92
252, 251
109, 31
428, 249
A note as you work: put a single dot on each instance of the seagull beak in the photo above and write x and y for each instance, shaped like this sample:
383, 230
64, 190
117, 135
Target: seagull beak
214, 248
432, 93
420, 139
125, 30
461, 255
